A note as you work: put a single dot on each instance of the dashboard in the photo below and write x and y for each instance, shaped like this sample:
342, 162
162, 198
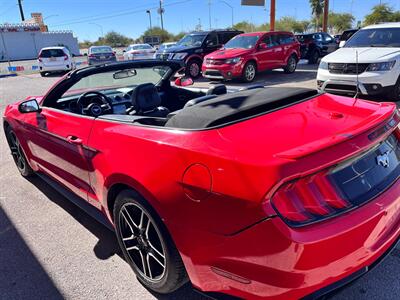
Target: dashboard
120, 100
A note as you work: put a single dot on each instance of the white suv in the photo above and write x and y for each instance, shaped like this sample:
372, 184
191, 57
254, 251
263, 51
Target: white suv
55, 59
374, 54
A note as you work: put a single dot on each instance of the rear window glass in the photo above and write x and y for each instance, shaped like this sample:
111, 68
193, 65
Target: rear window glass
52, 53
101, 50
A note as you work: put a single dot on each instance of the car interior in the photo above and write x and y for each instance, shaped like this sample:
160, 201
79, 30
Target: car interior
166, 104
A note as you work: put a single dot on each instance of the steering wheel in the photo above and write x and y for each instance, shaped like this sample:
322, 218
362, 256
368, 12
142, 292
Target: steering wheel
95, 108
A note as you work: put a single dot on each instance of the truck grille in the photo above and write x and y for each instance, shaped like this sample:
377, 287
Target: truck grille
342, 68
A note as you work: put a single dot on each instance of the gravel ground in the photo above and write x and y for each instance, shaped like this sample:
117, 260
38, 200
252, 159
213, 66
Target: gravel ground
50, 249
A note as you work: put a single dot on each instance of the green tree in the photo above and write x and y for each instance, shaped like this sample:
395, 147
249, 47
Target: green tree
179, 36
317, 10
245, 26
291, 24
164, 35
340, 21
114, 39
382, 13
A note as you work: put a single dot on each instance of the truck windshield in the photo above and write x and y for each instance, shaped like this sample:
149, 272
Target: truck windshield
191, 40
242, 41
377, 37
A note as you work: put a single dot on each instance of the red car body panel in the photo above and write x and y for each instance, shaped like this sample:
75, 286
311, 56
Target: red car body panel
265, 59
212, 188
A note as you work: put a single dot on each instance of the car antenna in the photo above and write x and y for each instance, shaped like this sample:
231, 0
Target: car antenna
357, 79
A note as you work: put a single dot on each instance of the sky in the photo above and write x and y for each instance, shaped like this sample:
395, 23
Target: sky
89, 18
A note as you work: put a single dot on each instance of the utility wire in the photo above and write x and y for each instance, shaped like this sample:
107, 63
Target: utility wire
124, 13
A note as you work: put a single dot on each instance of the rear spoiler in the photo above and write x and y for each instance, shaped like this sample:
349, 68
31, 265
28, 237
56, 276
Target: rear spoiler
385, 123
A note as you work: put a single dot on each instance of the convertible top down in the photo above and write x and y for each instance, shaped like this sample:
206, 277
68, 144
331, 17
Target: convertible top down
267, 193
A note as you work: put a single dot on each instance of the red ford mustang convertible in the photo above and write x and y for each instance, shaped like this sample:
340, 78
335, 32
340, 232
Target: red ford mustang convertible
266, 193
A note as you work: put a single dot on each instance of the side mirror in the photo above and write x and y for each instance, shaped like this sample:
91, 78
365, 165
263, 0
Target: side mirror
184, 81
124, 51
262, 46
29, 106
341, 44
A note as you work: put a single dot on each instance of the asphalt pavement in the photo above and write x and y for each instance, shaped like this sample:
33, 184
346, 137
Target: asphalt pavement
50, 249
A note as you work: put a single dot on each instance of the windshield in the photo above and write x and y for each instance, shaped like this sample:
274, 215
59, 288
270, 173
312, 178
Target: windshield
101, 50
378, 37
111, 80
139, 47
191, 40
165, 46
242, 41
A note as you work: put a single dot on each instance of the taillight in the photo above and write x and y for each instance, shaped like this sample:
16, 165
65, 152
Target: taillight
65, 57
92, 56
308, 199
40, 59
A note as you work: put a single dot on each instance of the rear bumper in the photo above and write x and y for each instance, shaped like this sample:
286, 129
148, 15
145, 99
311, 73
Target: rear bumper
100, 61
55, 68
273, 261
222, 71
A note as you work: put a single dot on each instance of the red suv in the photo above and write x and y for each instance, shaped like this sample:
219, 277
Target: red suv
248, 53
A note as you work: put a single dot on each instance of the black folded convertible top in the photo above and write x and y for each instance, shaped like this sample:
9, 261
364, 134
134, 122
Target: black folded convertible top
237, 106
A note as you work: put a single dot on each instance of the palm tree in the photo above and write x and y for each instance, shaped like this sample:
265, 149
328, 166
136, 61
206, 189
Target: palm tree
317, 7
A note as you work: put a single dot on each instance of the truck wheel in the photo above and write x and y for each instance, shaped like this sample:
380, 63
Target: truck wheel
193, 68
314, 57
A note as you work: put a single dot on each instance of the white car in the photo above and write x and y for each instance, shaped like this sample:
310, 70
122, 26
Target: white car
139, 51
54, 60
369, 59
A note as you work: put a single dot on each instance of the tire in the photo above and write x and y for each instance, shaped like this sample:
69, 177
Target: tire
291, 65
314, 57
18, 154
144, 239
193, 68
249, 72
394, 95
43, 74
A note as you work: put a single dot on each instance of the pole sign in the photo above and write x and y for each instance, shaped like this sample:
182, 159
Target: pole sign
253, 2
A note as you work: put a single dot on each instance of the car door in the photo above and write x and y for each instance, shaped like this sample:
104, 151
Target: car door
329, 43
58, 142
268, 57
211, 43
287, 42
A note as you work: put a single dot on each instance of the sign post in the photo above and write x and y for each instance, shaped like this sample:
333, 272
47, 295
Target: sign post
262, 3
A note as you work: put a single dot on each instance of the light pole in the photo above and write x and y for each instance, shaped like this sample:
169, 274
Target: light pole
209, 13
101, 28
161, 10
149, 13
231, 7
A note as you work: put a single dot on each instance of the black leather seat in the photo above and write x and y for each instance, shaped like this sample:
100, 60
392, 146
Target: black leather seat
147, 102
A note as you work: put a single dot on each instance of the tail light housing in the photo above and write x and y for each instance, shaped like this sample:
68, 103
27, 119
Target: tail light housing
342, 187
308, 199
65, 57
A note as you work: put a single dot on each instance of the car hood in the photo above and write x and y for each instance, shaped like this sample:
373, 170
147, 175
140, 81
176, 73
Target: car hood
228, 53
179, 48
365, 55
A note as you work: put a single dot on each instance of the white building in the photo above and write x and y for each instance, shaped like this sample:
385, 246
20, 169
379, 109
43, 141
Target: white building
24, 41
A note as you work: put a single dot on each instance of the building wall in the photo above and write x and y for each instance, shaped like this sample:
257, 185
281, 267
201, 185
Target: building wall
26, 45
